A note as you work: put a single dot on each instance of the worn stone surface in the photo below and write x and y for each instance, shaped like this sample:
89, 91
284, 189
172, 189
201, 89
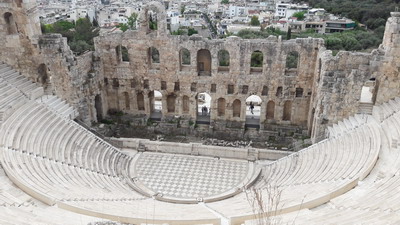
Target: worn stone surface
322, 90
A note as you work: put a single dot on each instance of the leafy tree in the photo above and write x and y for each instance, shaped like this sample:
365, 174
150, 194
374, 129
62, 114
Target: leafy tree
192, 31
292, 60
183, 8
225, 1
178, 32
152, 23
80, 46
254, 21
256, 59
131, 24
299, 15
63, 25
223, 58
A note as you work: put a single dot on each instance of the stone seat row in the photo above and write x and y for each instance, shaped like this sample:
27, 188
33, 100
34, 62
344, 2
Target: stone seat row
343, 127
314, 175
386, 110
11, 196
376, 200
15, 79
50, 181
29, 128
71, 187
10, 99
41, 214
59, 106
332, 159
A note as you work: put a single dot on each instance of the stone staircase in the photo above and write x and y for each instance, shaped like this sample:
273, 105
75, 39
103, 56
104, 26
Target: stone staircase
59, 106
365, 108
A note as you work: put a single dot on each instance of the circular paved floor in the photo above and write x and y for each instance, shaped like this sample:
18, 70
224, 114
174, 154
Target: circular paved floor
184, 177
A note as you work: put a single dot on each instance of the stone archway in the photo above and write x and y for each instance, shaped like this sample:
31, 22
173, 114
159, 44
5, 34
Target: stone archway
253, 111
287, 111
236, 108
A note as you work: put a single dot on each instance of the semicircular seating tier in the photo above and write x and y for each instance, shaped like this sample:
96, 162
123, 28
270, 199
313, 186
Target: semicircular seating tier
55, 160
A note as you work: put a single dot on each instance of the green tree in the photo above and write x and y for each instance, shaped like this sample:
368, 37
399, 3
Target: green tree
257, 59
254, 21
130, 25
183, 8
179, 32
80, 46
63, 26
192, 31
299, 15
225, 1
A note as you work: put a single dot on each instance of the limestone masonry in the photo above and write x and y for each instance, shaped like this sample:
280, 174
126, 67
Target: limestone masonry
321, 90
54, 171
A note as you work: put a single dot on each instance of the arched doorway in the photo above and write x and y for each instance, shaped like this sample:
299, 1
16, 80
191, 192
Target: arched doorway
253, 110
270, 110
287, 111
236, 108
204, 62
140, 101
10, 23
155, 101
203, 108
171, 103
221, 106
185, 104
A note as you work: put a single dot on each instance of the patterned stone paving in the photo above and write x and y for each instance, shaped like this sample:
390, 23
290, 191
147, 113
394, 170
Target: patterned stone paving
188, 176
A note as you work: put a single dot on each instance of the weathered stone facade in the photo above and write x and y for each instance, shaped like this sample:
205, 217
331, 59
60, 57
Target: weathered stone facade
122, 74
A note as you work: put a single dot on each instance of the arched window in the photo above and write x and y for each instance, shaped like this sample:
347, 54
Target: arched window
10, 23
292, 60
185, 104
154, 55
171, 103
124, 54
140, 101
204, 62
221, 106
264, 91
287, 111
236, 107
185, 56
270, 110
152, 16
256, 63
223, 60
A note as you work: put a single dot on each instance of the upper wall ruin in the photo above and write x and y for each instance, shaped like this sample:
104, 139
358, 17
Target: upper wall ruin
299, 82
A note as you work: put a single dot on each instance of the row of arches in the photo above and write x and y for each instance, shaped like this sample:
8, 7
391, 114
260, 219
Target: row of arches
204, 59
205, 105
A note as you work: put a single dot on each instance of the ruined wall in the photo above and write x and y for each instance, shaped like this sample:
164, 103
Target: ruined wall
341, 78
71, 78
123, 72
19, 32
389, 64
140, 75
